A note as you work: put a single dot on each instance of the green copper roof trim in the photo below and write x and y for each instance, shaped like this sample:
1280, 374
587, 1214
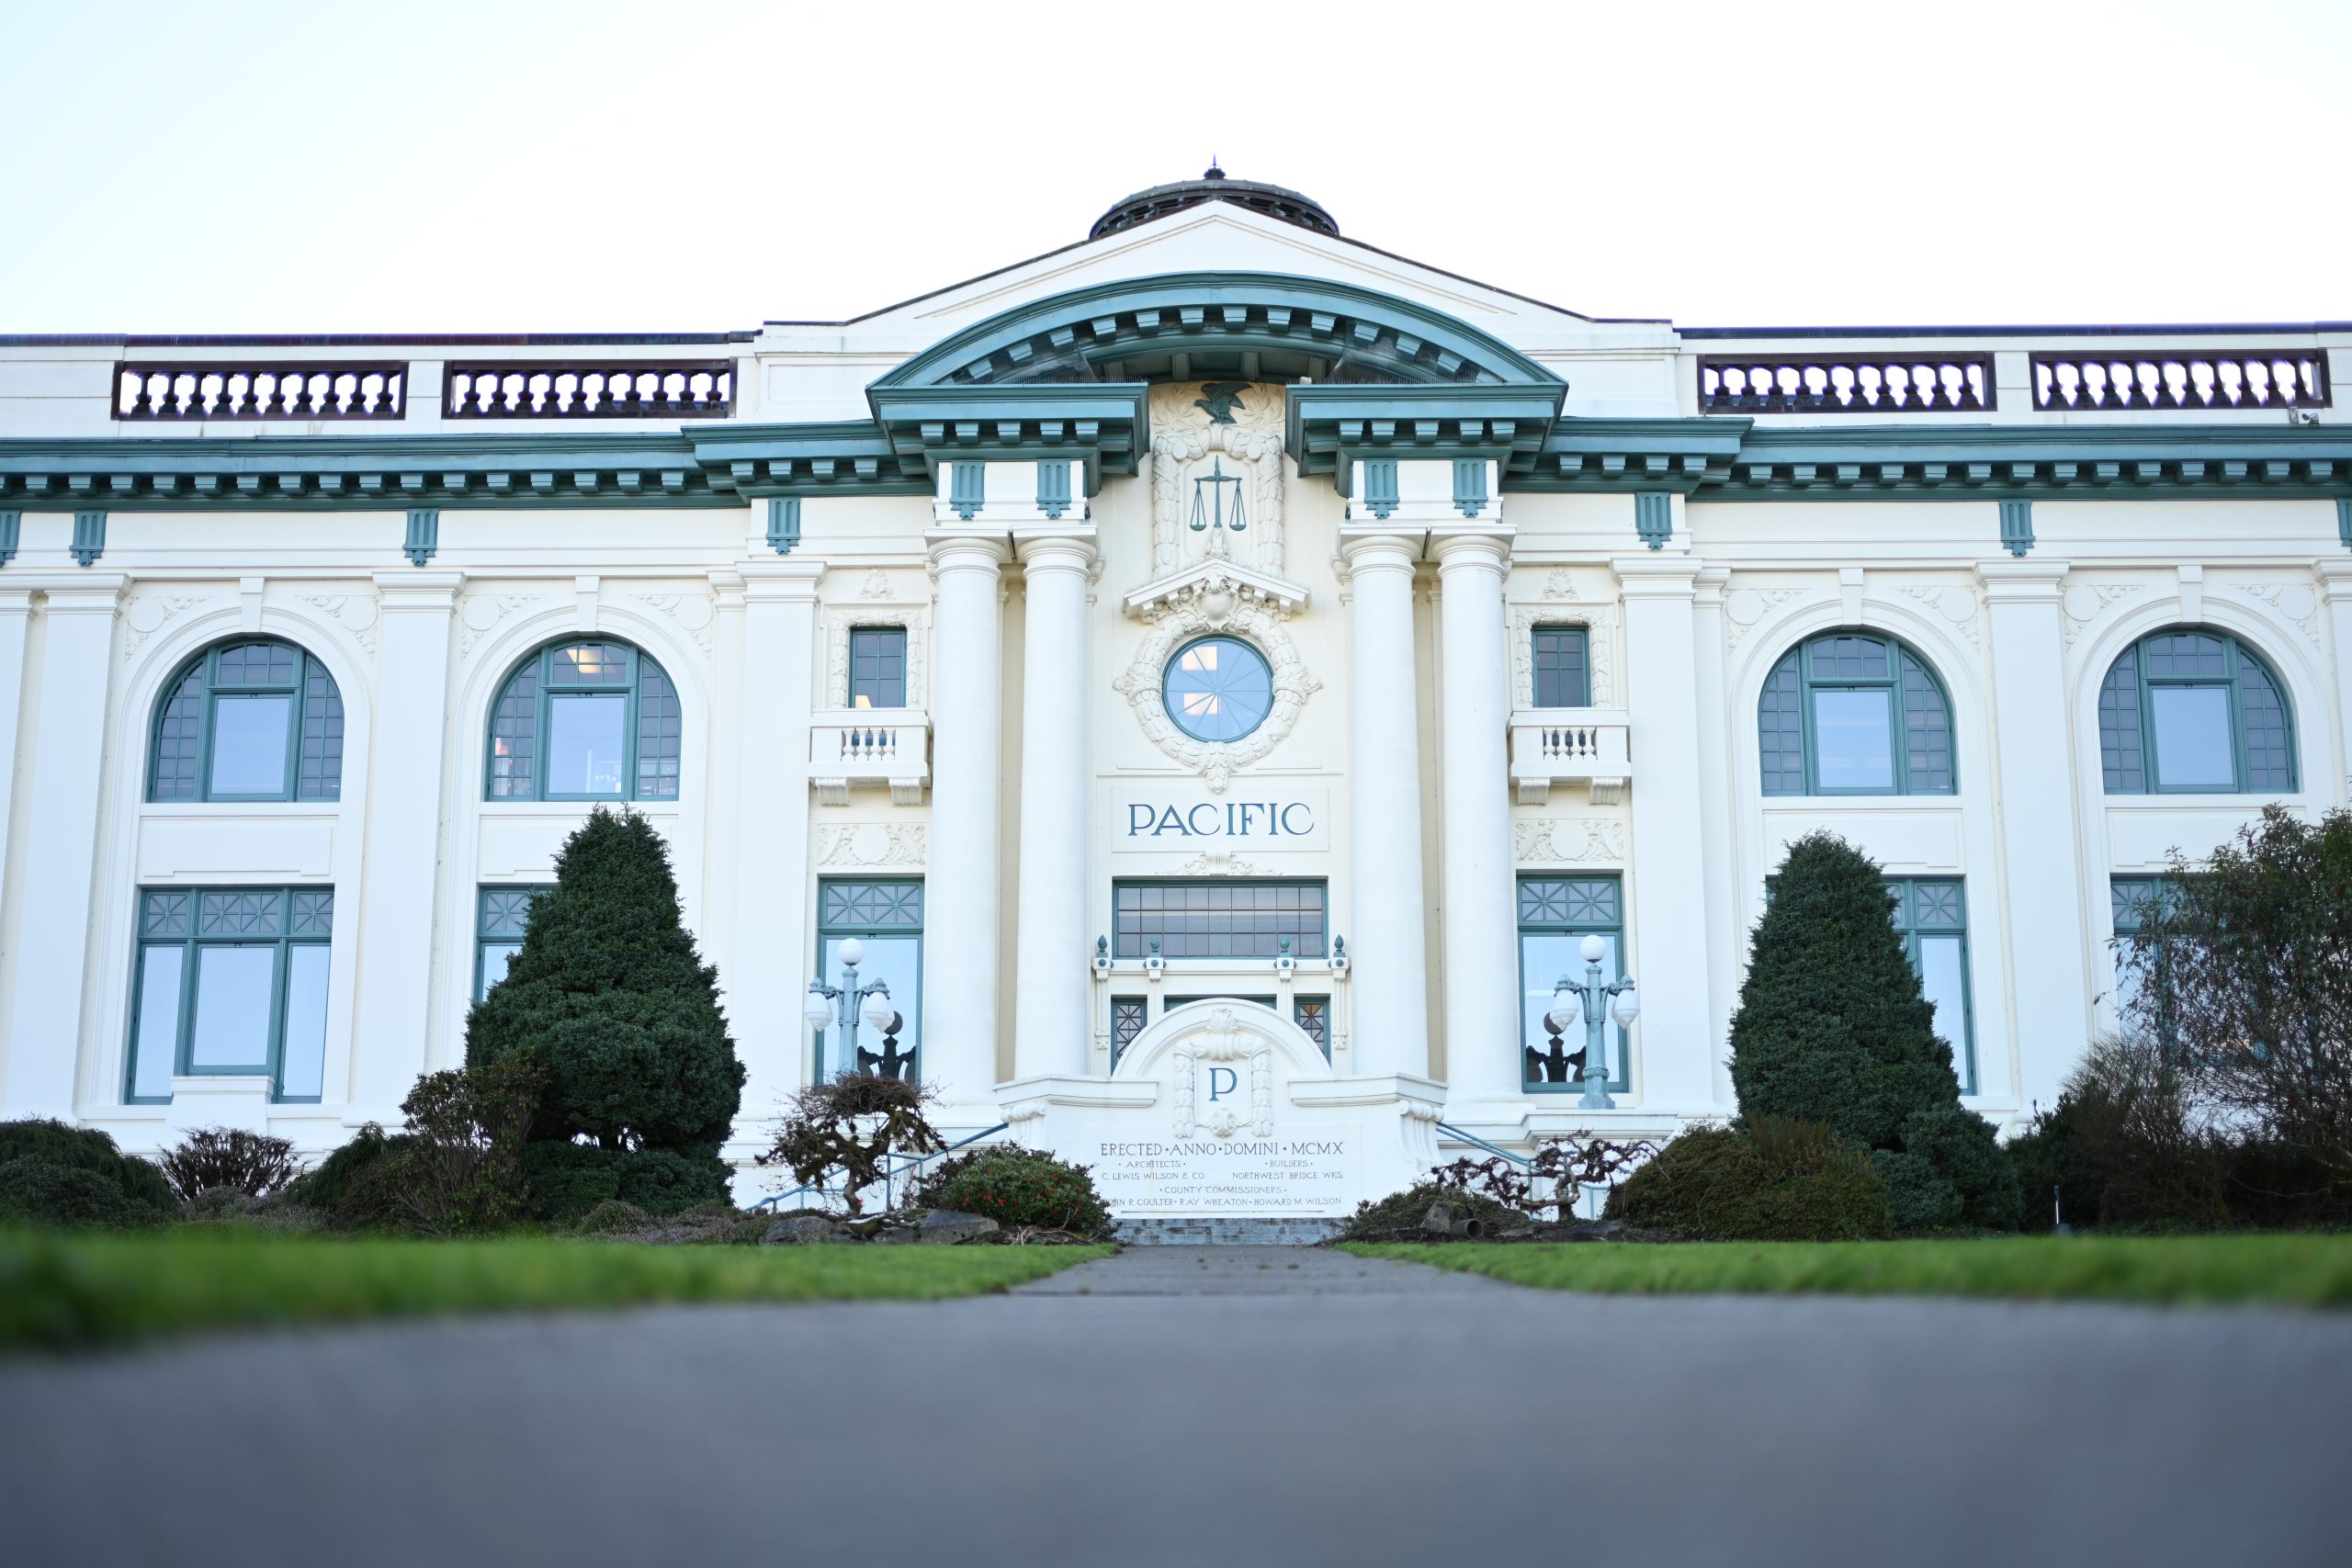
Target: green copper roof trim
1073, 335
1328, 429
1973, 462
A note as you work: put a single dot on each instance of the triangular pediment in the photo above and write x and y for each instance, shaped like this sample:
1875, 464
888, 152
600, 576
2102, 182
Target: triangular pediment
1208, 577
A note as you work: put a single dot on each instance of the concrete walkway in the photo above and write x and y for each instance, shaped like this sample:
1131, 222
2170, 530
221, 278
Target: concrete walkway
1205, 1407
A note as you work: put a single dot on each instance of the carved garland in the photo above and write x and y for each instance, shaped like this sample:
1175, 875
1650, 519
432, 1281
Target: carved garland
1215, 604
914, 621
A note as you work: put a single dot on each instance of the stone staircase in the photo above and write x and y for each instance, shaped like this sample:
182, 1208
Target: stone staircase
1231, 1230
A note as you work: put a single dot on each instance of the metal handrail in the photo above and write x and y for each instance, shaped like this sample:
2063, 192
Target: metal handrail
893, 1166
1476, 1142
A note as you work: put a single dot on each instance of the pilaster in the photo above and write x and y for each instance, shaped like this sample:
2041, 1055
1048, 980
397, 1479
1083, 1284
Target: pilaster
400, 876
1717, 851
16, 629
773, 954
2040, 848
1666, 891
1390, 978
2336, 582
64, 752
963, 893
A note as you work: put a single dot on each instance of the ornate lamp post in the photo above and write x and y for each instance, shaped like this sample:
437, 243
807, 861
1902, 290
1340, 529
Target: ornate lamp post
1571, 1001
872, 1000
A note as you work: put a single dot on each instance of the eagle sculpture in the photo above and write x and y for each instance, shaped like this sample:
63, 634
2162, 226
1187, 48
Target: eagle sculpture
1220, 397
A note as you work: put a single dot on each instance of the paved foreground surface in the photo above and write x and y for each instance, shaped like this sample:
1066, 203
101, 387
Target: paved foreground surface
1212, 1405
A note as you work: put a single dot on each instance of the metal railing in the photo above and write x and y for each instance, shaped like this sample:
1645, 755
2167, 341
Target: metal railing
896, 1169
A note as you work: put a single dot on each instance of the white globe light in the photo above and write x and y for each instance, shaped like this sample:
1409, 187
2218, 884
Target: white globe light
878, 1010
853, 952
1626, 1008
1592, 950
1567, 1009
819, 1010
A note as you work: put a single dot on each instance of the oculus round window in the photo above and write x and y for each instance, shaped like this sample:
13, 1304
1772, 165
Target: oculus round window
1219, 688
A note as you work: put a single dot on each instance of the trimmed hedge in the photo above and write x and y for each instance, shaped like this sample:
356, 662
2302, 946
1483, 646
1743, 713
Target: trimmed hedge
1405, 1211
1015, 1186
1715, 1184
52, 1174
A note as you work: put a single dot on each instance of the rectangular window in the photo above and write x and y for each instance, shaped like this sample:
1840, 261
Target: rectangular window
502, 915
1563, 667
1556, 914
249, 737
2194, 749
231, 981
1313, 1014
1853, 737
1128, 1015
587, 744
1219, 920
1931, 913
887, 920
878, 667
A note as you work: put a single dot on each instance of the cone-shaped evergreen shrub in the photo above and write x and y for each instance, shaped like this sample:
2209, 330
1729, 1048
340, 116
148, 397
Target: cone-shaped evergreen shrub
609, 997
1832, 1027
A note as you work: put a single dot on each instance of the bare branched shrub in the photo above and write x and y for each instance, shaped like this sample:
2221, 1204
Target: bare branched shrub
853, 1124
2245, 971
1570, 1164
461, 1169
254, 1164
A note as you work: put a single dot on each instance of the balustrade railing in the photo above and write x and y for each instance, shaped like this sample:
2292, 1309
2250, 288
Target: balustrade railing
2213, 380
223, 389
1846, 383
1551, 746
848, 745
702, 389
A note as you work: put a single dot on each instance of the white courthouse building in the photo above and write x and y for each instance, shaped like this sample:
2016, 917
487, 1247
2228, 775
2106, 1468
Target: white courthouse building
1218, 671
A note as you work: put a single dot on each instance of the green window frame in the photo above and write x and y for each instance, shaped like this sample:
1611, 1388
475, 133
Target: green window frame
887, 916
1313, 1016
202, 954
1561, 658
1221, 918
1128, 1017
1932, 915
644, 747
1556, 913
502, 917
205, 720
878, 667
1840, 677
2129, 900
2156, 689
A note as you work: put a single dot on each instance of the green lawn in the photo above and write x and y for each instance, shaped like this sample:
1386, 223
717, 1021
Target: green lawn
2294, 1270
86, 1289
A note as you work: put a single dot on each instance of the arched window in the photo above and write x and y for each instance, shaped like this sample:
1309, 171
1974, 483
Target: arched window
255, 719
1854, 712
2194, 713
594, 719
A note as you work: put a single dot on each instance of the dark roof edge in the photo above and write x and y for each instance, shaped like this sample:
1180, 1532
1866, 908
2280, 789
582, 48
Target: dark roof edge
362, 340
2160, 329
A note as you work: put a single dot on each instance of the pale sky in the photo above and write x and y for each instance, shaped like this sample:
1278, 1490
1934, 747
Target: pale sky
514, 165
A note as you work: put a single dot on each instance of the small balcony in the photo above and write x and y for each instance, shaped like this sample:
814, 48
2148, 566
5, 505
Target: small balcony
1550, 746
869, 746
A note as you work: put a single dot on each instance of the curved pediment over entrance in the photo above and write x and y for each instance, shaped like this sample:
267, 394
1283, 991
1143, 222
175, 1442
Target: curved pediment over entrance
1210, 325
1225, 1030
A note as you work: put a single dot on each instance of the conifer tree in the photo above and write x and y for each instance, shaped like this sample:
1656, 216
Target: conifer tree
611, 1000
1832, 1027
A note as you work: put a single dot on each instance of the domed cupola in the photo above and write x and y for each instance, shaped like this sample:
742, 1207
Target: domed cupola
1162, 201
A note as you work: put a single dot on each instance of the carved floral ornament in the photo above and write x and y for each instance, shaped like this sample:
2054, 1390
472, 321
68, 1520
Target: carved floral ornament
1227, 603
1219, 1042
1600, 622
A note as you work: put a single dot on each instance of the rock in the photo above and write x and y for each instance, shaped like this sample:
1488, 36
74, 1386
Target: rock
1439, 1219
800, 1230
897, 1236
944, 1227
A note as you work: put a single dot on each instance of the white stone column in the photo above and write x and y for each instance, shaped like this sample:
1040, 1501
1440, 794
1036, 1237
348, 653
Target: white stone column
1675, 1043
1717, 829
398, 887
1482, 1044
963, 887
64, 783
1390, 975
2041, 858
16, 628
773, 954
1052, 1002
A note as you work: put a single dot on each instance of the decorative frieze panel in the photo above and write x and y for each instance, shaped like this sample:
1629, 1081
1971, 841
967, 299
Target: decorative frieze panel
232, 389
1569, 841
701, 389
871, 843
1846, 383
2213, 381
